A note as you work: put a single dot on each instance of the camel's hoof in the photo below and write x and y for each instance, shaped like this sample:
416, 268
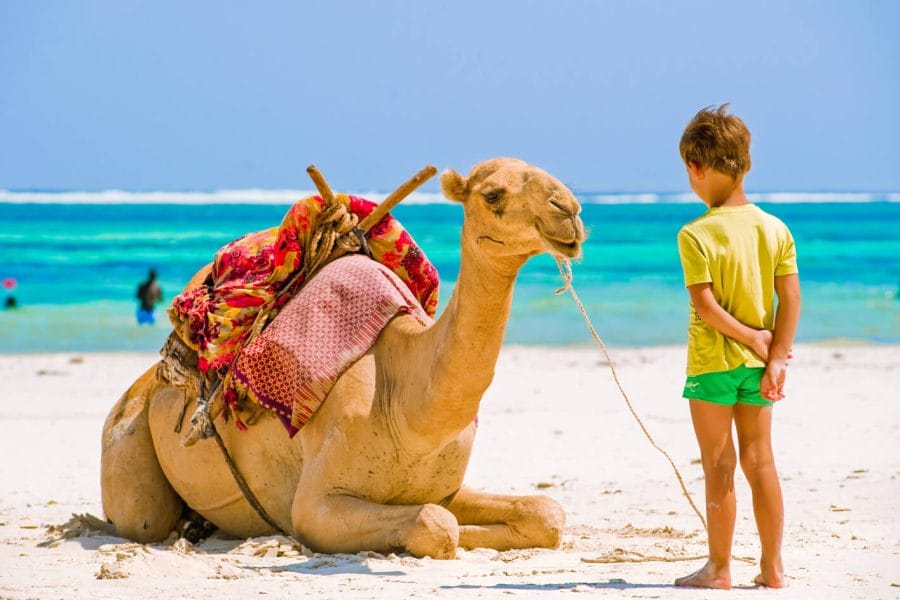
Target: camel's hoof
435, 533
541, 520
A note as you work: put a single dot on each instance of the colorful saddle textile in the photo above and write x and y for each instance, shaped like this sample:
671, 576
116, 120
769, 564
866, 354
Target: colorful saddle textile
248, 272
326, 327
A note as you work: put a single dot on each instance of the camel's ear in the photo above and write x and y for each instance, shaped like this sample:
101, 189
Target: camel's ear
453, 185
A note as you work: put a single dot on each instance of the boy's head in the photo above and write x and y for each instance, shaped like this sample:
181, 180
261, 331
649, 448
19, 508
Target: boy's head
718, 141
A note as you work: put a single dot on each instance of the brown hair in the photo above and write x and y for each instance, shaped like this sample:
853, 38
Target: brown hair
717, 140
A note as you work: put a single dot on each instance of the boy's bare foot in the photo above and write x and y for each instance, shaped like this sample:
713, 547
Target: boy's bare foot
707, 577
771, 580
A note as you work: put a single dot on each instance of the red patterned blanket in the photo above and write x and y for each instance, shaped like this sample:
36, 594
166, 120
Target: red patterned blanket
322, 331
252, 271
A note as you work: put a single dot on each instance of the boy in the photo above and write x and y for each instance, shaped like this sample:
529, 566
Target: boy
735, 259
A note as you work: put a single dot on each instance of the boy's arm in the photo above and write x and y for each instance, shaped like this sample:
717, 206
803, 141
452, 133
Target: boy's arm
786, 317
722, 321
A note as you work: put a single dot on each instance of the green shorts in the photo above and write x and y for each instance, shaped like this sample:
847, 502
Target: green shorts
728, 388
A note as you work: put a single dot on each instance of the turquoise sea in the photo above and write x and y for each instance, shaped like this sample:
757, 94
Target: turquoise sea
77, 261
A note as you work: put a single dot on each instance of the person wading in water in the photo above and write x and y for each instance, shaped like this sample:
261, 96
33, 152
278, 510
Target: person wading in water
149, 293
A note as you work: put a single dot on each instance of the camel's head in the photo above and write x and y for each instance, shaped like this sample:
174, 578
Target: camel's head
514, 209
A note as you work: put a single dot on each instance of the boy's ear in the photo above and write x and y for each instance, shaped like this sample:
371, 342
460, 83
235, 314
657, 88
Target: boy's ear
453, 185
695, 170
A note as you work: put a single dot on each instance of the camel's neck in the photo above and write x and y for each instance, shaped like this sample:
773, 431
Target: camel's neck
460, 350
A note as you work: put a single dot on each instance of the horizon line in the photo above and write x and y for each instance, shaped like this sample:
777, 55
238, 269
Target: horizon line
265, 196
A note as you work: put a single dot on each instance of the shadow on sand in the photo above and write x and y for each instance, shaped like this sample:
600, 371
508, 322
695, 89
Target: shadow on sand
326, 564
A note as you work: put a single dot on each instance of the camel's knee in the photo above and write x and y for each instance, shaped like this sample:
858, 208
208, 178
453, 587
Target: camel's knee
542, 519
153, 528
137, 497
313, 523
434, 533
146, 511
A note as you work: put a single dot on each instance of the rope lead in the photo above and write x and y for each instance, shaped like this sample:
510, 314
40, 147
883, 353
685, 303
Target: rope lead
565, 271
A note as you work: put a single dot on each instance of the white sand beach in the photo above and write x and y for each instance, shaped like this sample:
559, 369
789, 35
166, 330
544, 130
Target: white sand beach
552, 423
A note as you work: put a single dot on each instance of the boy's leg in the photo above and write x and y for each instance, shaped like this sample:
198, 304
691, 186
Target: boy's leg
754, 429
712, 425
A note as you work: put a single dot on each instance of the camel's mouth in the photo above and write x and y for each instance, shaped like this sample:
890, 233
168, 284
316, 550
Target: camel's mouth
564, 249
567, 245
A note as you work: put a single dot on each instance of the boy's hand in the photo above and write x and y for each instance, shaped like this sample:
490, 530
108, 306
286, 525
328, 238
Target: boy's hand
762, 339
771, 387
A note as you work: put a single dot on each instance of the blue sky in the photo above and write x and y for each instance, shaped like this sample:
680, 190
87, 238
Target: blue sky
210, 95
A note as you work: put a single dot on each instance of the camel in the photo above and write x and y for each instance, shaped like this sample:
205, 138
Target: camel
380, 465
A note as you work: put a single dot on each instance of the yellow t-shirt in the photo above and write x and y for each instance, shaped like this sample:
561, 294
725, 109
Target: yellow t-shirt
739, 250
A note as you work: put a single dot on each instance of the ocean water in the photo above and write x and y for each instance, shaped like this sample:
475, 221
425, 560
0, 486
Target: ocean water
77, 259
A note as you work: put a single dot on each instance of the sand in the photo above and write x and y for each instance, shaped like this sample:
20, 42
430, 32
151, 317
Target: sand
551, 423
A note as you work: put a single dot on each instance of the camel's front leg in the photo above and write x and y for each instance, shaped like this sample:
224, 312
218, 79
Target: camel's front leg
506, 522
336, 522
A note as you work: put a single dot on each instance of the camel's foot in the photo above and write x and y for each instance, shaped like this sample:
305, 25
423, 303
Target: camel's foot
507, 522
434, 533
707, 576
540, 521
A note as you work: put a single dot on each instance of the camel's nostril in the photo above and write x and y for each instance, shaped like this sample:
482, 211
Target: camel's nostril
579, 229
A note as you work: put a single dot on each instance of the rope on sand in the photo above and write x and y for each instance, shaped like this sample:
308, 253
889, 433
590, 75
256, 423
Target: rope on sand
637, 557
565, 271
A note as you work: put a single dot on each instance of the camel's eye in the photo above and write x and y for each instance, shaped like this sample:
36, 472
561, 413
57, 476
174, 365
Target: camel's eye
492, 195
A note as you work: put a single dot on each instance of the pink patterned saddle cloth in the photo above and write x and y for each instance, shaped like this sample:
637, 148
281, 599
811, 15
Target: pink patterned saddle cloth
326, 327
